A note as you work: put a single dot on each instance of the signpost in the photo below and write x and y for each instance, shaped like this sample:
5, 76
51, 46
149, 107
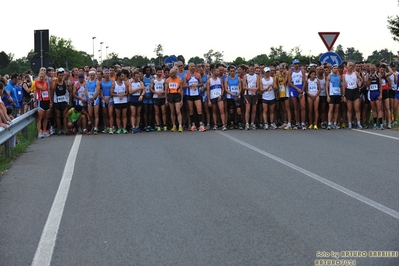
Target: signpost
330, 57
170, 60
329, 39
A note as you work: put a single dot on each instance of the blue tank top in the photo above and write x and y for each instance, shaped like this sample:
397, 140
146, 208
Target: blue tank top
106, 87
147, 82
335, 85
232, 86
91, 88
183, 76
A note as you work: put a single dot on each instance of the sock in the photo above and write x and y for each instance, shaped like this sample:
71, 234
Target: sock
375, 120
380, 120
239, 119
192, 119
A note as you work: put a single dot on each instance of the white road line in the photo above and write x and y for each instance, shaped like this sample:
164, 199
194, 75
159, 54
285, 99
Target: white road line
316, 177
45, 248
376, 134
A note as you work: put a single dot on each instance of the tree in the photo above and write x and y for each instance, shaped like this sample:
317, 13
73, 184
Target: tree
340, 51
196, 60
212, 57
352, 54
239, 61
278, 54
393, 26
181, 58
159, 52
4, 60
62, 50
378, 56
261, 59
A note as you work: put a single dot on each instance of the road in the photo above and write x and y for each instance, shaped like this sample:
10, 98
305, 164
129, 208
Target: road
203, 198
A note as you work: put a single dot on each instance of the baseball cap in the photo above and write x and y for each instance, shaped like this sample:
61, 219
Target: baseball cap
60, 70
50, 69
392, 64
295, 61
312, 64
266, 69
81, 76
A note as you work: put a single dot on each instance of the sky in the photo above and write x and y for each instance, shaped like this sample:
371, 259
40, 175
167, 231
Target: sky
192, 28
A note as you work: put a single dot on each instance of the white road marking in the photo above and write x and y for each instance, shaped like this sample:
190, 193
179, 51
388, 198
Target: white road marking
316, 177
376, 134
45, 248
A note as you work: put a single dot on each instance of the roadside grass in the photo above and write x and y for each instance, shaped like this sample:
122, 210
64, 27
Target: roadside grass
5, 162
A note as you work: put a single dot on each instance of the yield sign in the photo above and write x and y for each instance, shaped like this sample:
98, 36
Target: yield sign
329, 38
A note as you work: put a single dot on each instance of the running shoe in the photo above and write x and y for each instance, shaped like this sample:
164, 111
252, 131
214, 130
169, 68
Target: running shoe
253, 127
193, 128
147, 129
336, 127
343, 125
152, 129
329, 127
375, 126
246, 126
158, 128
133, 130
296, 127
323, 126
231, 126
85, 132
40, 135
46, 134
208, 127
174, 129
389, 126
124, 131
350, 126
180, 129
95, 131
395, 123
382, 127
359, 126
202, 128
273, 126
165, 128
288, 127
240, 127
215, 127
59, 133
303, 127
311, 126
315, 127
266, 126
224, 128
119, 131
111, 131
105, 130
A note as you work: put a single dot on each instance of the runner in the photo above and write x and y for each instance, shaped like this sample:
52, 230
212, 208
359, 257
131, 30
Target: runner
59, 90
375, 95
206, 114
322, 72
214, 89
93, 98
268, 99
107, 102
233, 94
119, 91
250, 87
181, 73
137, 94
297, 82
281, 80
334, 92
44, 104
192, 84
147, 99
386, 87
393, 102
157, 89
76, 118
80, 92
351, 94
174, 98
312, 89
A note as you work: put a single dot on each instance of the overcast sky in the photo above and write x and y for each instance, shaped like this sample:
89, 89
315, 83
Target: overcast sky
192, 28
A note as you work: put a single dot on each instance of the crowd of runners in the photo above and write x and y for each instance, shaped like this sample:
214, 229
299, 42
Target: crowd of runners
200, 97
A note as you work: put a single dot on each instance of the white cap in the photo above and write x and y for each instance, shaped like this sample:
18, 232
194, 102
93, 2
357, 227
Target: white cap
60, 70
266, 69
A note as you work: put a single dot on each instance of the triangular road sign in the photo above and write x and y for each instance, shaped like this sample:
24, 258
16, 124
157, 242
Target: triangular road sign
329, 38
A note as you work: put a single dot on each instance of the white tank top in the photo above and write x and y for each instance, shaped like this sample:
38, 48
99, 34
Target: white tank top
312, 87
135, 86
120, 89
159, 86
251, 82
394, 85
268, 95
322, 86
351, 81
215, 88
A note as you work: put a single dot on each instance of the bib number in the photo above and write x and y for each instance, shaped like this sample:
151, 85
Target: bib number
215, 94
61, 99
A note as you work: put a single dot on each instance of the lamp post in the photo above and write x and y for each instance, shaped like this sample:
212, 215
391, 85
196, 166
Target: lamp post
93, 47
106, 52
99, 57
101, 48
310, 51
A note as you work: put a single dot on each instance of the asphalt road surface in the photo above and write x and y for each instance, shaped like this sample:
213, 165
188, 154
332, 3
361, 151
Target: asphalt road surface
204, 198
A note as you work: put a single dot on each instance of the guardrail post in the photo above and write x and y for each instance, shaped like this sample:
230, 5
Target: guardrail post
25, 132
7, 148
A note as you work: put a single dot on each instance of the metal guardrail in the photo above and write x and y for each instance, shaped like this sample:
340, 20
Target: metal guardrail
7, 136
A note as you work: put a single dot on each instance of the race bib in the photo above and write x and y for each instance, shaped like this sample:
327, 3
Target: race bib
312, 89
336, 91
45, 95
158, 88
234, 89
215, 93
281, 88
373, 87
147, 89
61, 99
297, 81
173, 85
91, 94
351, 85
193, 92
19, 92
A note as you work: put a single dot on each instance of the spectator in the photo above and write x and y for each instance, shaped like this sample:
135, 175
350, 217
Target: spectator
10, 89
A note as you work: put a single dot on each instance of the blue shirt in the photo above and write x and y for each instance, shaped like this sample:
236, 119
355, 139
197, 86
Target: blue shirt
13, 93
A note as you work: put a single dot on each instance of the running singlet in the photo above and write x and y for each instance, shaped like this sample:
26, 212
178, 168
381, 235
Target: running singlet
182, 77
106, 87
174, 85
135, 86
159, 86
335, 83
384, 83
351, 81
312, 87
120, 89
268, 95
91, 88
215, 88
374, 85
393, 84
74, 115
322, 87
60, 93
232, 86
296, 78
147, 83
251, 82
204, 93
282, 88
80, 92
43, 95
190, 80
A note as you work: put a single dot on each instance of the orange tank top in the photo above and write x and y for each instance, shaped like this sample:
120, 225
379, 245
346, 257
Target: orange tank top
174, 85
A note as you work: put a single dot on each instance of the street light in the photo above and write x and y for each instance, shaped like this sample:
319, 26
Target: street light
93, 46
101, 48
310, 51
106, 52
